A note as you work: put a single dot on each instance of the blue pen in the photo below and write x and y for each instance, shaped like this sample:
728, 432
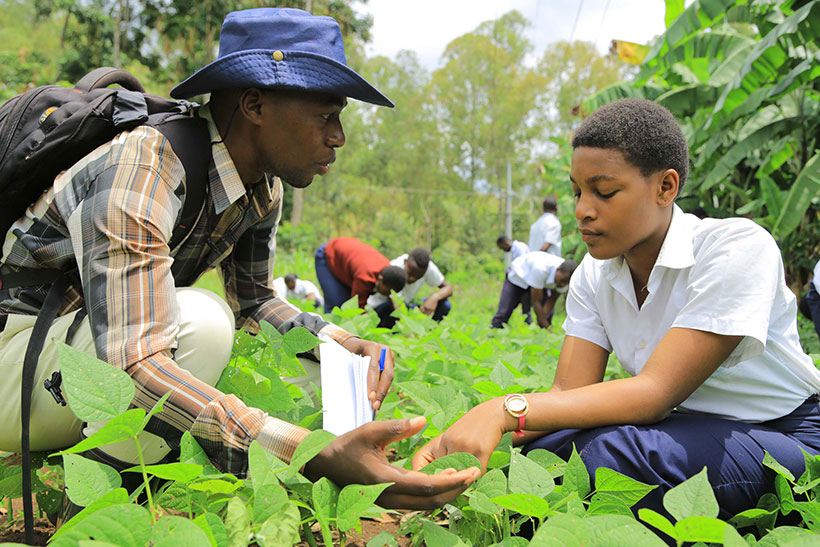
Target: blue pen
381, 359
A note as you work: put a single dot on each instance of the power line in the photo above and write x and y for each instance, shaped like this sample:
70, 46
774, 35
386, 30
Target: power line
603, 18
575, 24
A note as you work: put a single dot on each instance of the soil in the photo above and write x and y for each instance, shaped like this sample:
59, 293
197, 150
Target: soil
15, 533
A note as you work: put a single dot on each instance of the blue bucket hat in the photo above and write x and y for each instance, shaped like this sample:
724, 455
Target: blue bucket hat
280, 48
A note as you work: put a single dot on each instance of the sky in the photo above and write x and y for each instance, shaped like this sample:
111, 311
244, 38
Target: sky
427, 26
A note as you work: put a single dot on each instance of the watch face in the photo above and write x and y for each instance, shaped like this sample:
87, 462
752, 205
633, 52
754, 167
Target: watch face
517, 404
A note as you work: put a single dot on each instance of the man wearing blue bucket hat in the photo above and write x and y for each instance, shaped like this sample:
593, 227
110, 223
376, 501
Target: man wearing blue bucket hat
277, 89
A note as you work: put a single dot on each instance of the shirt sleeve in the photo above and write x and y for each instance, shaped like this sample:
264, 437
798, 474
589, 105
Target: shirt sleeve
552, 232
583, 320
433, 275
732, 287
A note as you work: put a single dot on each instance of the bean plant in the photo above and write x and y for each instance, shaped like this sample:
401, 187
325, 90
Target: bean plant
442, 370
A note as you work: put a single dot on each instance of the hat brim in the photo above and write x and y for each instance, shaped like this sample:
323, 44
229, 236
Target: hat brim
296, 70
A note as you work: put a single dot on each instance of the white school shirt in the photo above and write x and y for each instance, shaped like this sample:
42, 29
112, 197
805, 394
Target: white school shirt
717, 275
518, 248
536, 269
300, 291
816, 277
546, 228
432, 277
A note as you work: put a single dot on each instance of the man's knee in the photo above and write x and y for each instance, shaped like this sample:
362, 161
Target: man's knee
206, 333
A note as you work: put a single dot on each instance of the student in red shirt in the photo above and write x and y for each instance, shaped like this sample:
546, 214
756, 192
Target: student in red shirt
346, 267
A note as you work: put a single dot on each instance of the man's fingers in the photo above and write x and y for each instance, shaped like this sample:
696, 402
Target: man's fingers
420, 491
385, 379
425, 454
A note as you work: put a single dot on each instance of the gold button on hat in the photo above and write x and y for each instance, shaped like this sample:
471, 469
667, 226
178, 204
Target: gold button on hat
278, 55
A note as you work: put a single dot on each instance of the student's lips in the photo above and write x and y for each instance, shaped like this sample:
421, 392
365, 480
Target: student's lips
324, 167
589, 235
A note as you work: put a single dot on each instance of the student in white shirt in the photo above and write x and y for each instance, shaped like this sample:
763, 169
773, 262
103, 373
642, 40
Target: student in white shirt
698, 311
292, 287
545, 233
514, 247
529, 276
420, 271
813, 298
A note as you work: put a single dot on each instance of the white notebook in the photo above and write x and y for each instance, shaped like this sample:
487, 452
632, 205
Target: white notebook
344, 388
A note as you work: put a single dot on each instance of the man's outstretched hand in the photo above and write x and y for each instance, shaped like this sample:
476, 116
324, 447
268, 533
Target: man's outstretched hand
358, 457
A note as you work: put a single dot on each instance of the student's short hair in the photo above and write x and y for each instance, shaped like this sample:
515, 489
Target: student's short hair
291, 278
502, 239
568, 266
645, 132
421, 257
394, 277
550, 205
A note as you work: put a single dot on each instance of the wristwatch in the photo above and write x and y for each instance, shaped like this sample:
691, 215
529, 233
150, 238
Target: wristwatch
516, 406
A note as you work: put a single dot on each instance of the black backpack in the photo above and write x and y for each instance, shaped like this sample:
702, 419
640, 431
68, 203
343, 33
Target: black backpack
47, 130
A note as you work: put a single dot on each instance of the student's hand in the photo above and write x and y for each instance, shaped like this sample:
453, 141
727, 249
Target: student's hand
429, 305
358, 457
378, 382
477, 432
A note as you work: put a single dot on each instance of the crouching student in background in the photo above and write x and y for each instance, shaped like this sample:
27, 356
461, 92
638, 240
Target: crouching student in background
698, 313
347, 267
291, 287
420, 270
535, 278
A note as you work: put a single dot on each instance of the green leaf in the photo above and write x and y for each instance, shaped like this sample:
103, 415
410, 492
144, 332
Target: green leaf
699, 528
488, 388
576, 476
173, 531
213, 527
280, 529
299, 340
267, 500
607, 503
527, 477
561, 530
177, 497
526, 504
552, 463
237, 523
325, 498
784, 493
191, 452
693, 497
810, 511
263, 466
155, 409
383, 539
482, 504
216, 486
126, 525
492, 484
801, 193
620, 531
658, 521
436, 536
94, 389
673, 9
355, 499
483, 351
180, 472
120, 428
457, 460
115, 497
775, 466
87, 480
628, 489
310, 446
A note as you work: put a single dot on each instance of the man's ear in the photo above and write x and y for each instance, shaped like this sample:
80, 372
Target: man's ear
668, 188
251, 102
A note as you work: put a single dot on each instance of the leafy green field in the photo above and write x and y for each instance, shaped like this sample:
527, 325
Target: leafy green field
442, 370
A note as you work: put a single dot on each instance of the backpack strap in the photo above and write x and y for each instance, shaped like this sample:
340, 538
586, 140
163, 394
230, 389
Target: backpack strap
191, 143
105, 76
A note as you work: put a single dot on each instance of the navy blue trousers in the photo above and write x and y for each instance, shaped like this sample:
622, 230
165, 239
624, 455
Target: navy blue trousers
388, 321
335, 292
511, 296
677, 448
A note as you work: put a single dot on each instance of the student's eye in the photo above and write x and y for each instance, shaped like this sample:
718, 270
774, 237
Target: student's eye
608, 195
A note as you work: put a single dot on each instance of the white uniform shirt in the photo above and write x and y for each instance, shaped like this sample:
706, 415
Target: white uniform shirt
300, 291
816, 278
546, 228
536, 269
518, 248
432, 277
722, 276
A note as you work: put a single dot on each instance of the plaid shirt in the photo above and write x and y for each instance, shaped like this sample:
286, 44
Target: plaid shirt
109, 218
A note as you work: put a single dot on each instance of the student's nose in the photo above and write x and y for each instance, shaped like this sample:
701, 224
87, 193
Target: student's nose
584, 209
336, 137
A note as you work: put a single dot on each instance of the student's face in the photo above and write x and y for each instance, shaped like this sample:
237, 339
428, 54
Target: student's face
505, 246
414, 273
619, 211
561, 279
299, 134
381, 287
291, 286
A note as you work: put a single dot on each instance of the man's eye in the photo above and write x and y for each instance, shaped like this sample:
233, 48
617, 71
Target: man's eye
607, 196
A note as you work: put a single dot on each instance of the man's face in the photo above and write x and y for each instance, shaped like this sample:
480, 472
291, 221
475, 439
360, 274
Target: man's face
299, 135
381, 286
291, 285
414, 273
561, 279
505, 246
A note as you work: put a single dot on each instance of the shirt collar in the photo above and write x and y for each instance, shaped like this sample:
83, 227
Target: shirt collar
226, 185
677, 250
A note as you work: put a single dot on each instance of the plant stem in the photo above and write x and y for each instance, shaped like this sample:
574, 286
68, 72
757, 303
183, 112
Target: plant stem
309, 535
145, 478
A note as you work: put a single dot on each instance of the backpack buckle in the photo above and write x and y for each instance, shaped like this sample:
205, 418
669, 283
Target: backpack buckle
53, 387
